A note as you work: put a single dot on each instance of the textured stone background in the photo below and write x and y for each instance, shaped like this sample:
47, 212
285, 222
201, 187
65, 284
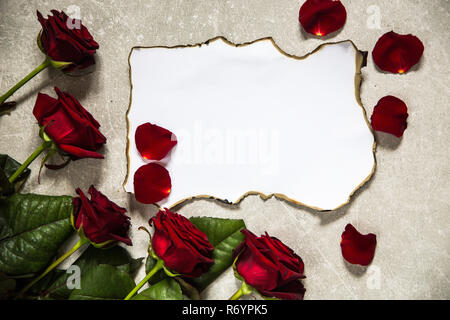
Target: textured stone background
406, 203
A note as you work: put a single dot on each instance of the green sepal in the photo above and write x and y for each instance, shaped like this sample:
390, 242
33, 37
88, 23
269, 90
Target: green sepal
59, 65
247, 289
7, 107
39, 43
236, 273
170, 273
82, 235
44, 136
102, 245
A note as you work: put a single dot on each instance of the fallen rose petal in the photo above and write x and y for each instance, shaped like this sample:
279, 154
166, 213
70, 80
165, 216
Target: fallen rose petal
357, 248
322, 17
152, 183
397, 53
390, 115
154, 142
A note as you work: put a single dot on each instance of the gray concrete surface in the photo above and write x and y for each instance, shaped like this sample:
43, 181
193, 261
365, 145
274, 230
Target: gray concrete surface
406, 203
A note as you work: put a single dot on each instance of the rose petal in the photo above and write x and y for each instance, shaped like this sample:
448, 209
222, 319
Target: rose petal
154, 142
322, 17
151, 183
397, 53
294, 290
390, 115
256, 269
357, 248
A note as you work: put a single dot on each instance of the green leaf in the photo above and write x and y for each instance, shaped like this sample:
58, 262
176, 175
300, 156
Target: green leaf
39, 288
7, 285
225, 236
116, 256
7, 168
167, 289
32, 228
217, 229
103, 282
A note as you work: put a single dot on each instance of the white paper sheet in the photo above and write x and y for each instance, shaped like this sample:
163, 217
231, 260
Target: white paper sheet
250, 118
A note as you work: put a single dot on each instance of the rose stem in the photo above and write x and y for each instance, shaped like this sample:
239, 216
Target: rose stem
158, 266
27, 162
243, 290
54, 264
30, 76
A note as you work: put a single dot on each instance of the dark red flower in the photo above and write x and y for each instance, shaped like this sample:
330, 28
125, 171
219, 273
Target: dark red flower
151, 183
269, 266
154, 142
71, 127
102, 221
397, 53
390, 115
181, 245
322, 17
66, 40
357, 248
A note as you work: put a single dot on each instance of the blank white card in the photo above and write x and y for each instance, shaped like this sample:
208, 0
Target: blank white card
252, 119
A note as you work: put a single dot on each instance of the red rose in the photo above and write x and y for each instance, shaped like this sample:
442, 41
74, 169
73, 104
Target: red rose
269, 266
100, 220
181, 245
73, 129
358, 248
66, 41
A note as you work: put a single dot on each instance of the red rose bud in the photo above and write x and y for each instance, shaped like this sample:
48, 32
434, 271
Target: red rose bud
154, 142
322, 17
357, 248
73, 129
66, 42
100, 220
397, 53
390, 115
269, 266
152, 183
182, 247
